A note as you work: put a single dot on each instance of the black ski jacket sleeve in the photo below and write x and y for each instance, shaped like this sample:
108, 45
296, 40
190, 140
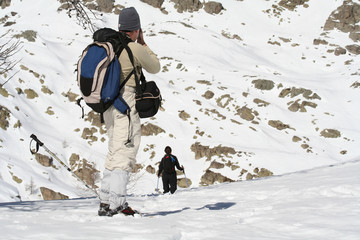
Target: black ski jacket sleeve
177, 164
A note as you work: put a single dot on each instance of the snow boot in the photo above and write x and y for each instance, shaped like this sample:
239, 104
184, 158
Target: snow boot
126, 210
104, 210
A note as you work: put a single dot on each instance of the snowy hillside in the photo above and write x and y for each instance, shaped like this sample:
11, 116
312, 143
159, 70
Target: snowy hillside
318, 204
256, 90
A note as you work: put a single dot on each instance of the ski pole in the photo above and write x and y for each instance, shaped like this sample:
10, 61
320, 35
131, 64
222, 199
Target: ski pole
41, 144
186, 179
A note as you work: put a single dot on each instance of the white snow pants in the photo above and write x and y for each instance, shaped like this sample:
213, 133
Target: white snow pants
113, 187
121, 157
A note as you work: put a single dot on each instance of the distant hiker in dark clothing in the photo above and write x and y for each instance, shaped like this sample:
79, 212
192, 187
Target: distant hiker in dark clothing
167, 168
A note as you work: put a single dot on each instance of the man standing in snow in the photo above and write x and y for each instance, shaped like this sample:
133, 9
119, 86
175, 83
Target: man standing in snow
124, 135
167, 167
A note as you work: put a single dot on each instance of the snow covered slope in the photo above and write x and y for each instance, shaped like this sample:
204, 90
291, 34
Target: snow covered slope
321, 203
243, 90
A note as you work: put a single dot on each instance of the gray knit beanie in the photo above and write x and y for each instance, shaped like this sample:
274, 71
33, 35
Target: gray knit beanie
129, 20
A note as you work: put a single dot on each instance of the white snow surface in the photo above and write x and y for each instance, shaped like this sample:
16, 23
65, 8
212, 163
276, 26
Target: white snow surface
315, 190
321, 203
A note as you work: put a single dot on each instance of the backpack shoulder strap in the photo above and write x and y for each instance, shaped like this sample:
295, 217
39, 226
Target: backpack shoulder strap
131, 56
137, 80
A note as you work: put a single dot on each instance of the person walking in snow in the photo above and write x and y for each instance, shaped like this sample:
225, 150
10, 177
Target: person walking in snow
121, 157
167, 168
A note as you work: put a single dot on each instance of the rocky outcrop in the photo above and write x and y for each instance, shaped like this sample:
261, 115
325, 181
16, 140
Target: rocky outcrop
263, 84
84, 170
4, 117
150, 129
247, 113
205, 151
187, 5
330, 133
345, 18
105, 5
43, 160
183, 183
49, 194
293, 92
210, 7
278, 124
5, 3
292, 4
210, 178
154, 3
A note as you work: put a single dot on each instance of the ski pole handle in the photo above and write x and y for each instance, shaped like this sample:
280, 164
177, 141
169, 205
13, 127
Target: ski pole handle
36, 139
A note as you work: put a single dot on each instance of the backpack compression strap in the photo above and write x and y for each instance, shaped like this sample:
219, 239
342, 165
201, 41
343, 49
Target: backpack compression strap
137, 81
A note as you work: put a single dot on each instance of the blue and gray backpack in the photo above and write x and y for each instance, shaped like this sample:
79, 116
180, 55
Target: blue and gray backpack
99, 71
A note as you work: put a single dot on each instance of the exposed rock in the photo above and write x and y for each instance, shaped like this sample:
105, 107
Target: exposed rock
278, 124
71, 96
354, 49
150, 169
264, 173
205, 151
30, 94
46, 90
249, 176
184, 115
246, 113
137, 168
305, 146
296, 139
29, 35
105, 5
263, 84
95, 120
212, 7
3, 91
49, 194
330, 133
83, 169
88, 134
296, 106
150, 129
231, 36
224, 100
181, 182
210, 178
5, 3
154, 3
261, 103
216, 165
208, 94
49, 111
320, 41
292, 4
355, 36
4, 117
43, 160
356, 85
293, 92
205, 82
339, 51
187, 5
214, 111
344, 18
